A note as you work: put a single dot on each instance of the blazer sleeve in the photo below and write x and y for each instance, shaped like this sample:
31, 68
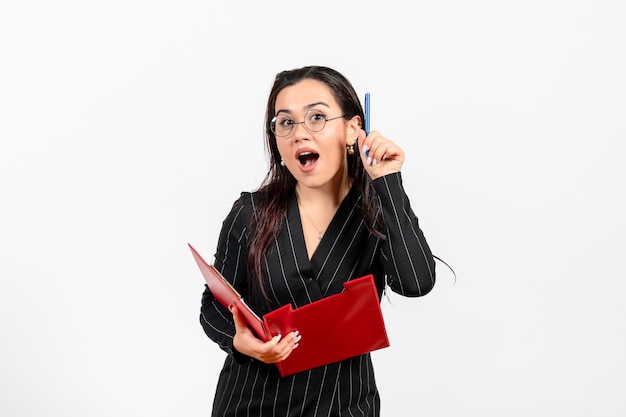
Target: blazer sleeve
230, 260
406, 257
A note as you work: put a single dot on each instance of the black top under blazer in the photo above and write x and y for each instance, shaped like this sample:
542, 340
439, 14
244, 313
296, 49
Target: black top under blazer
402, 261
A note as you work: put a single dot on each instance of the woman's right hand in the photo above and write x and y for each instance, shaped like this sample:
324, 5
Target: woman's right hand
275, 350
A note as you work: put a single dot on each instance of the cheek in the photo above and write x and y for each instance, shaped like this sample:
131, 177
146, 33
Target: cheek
336, 151
282, 149
341, 142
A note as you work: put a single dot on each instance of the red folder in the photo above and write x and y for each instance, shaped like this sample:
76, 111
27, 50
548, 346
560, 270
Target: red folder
334, 328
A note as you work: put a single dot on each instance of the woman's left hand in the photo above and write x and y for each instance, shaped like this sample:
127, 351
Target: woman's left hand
384, 156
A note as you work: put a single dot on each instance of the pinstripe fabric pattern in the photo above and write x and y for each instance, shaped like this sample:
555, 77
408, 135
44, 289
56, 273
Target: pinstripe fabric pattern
403, 261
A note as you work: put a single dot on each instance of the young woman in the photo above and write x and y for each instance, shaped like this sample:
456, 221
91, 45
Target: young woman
332, 208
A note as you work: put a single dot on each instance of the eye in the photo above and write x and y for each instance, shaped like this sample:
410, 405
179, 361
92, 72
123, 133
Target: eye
284, 121
317, 117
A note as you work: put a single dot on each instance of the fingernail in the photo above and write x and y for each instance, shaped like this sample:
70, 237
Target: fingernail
278, 337
366, 150
295, 335
295, 346
369, 161
374, 162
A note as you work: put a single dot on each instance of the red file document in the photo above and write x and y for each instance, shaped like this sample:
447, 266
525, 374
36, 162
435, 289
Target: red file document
334, 328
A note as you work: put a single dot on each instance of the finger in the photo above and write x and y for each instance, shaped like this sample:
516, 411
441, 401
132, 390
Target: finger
374, 148
285, 347
365, 144
288, 342
294, 339
385, 151
240, 322
391, 152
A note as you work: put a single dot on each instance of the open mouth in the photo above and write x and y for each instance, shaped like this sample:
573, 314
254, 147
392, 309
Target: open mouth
307, 158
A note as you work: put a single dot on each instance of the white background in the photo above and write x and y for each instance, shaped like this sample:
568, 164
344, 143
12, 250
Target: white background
128, 128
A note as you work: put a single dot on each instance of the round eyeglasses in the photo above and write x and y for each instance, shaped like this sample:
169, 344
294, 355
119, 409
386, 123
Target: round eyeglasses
314, 121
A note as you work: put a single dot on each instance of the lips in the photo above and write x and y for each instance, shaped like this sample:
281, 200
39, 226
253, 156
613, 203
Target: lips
307, 158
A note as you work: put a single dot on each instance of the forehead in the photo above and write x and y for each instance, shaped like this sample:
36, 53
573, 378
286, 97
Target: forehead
298, 96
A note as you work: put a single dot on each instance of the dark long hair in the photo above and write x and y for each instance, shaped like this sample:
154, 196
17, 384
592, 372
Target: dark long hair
278, 184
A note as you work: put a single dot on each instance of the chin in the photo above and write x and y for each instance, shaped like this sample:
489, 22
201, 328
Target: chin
309, 183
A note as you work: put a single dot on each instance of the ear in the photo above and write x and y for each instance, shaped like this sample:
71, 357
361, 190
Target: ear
354, 126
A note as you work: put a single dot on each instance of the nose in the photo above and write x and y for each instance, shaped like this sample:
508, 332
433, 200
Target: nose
300, 132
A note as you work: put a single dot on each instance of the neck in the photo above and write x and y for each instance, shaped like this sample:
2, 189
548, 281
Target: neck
330, 194
317, 208
322, 196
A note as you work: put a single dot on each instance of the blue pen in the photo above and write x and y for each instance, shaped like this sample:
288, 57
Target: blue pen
367, 119
367, 113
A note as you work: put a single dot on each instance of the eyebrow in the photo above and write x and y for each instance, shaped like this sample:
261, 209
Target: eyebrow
307, 107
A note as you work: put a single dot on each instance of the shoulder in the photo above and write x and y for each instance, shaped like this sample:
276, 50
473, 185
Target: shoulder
238, 219
248, 201
246, 205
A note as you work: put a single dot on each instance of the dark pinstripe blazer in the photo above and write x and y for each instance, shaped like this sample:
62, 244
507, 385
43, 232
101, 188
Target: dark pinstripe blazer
402, 261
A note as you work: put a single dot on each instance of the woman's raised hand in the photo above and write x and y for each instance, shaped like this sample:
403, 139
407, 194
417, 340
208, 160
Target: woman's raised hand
380, 155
